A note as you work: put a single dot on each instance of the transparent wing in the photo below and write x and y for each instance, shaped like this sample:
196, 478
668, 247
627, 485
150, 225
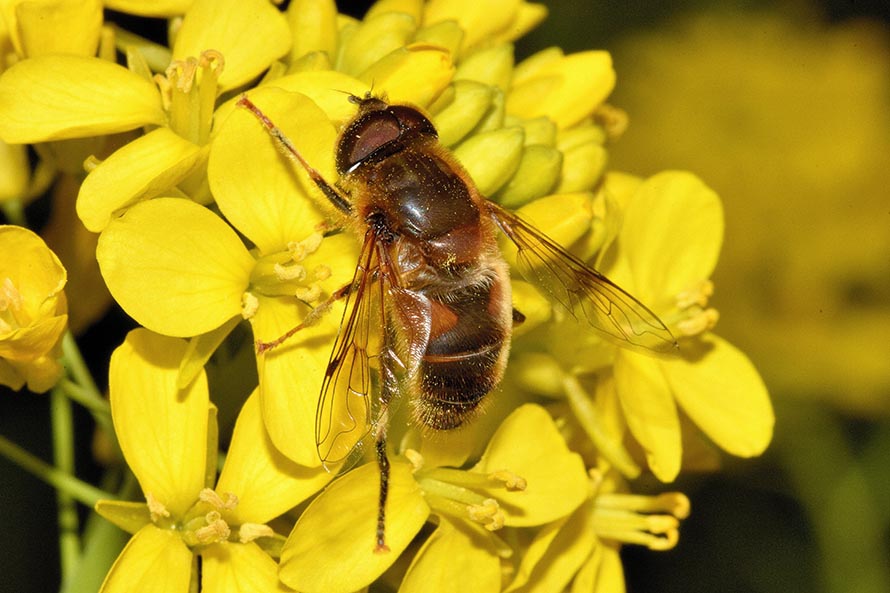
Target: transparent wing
583, 291
343, 417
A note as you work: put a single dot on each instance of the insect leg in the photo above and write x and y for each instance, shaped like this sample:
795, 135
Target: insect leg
383, 465
336, 198
389, 389
311, 319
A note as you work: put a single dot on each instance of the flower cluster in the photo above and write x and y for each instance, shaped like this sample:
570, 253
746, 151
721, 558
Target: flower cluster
33, 311
202, 224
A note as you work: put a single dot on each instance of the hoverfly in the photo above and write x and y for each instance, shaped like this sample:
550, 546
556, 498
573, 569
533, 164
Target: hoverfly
431, 269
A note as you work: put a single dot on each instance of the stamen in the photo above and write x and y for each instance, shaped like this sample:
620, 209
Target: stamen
189, 89
699, 323
415, 458
156, 508
613, 119
251, 531
488, 513
249, 305
216, 530
166, 90
226, 502
470, 479
696, 295
651, 521
286, 273
673, 503
510, 480
300, 249
308, 294
321, 272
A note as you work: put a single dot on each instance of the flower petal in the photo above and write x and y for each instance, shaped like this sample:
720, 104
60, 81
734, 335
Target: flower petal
326, 538
602, 572
40, 373
162, 430
11, 376
650, 411
330, 91
479, 20
291, 376
565, 218
467, 102
36, 339
416, 74
255, 185
57, 97
672, 233
154, 561
375, 37
146, 167
266, 482
59, 27
492, 66
129, 516
725, 397
566, 89
174, 266
156, 8
489, 174
35, 272
313, 26
250, 34
528, 444
453, 559
556, 553
239, 568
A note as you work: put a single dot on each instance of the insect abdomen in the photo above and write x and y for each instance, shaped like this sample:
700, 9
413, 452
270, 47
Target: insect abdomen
466, 353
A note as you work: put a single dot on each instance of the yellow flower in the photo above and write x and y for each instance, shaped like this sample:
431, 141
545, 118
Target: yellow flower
671, 237
52, 27
166, 433
581, 551
33, 311
53, 97
667, 248
526, 477
181, 270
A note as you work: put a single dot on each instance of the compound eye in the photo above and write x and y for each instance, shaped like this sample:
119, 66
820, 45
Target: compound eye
364, 136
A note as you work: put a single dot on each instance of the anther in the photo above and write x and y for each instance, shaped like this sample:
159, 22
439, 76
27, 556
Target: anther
227, 501
249, 305
248, 532
510, 480
156, 508
699, 323
696, 295
291, 272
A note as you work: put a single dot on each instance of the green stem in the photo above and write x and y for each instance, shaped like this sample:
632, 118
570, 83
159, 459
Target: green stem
15, 212
98, 407
582, 406
63, 452
81, 491
77, 370
82, 388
